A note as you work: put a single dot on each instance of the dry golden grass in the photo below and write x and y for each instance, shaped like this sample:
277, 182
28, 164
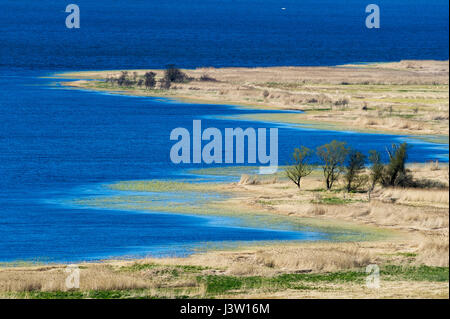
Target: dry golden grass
278, 258
433, 251
422, 216
399, 208
432, 171
158, 280
323, 257
424, 197
407, 217
52, 278
264, 261
388, 290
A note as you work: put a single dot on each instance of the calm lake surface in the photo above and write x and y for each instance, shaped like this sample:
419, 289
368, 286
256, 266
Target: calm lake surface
192, 33
58, 143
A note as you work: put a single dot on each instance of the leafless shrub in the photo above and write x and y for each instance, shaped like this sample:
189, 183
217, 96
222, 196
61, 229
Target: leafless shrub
341, 102
207, 78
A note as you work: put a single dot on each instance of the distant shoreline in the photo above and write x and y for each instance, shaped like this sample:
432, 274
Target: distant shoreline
399, 98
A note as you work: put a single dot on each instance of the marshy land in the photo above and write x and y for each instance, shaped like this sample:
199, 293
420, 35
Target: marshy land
390, 213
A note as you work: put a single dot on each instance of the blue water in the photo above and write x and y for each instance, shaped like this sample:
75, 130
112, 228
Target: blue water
191, 33
58, 143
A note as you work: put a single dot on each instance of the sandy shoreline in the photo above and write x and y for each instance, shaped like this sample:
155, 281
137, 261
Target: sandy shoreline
407, 97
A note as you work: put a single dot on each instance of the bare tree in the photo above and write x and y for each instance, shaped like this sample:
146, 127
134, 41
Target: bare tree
333, 156
376, 170
300, 166
353, 170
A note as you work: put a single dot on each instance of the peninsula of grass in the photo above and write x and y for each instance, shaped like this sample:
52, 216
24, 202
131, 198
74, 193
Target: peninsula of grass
406, 97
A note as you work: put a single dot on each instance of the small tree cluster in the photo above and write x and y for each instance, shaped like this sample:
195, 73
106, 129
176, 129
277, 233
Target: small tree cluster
171, 75
125, 79
174, 75
337, 160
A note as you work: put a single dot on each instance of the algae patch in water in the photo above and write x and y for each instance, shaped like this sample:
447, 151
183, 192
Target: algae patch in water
211, 199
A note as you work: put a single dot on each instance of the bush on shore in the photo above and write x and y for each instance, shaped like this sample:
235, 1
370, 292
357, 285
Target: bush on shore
338, 161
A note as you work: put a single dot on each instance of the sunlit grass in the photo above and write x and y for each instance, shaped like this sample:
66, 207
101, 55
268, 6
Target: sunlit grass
164, 186
180, 281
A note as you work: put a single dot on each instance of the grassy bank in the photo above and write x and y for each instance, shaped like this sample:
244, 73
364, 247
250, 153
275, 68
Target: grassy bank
150, 279
407, 97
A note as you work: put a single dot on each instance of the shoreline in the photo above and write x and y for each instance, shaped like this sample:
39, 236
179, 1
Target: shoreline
398, 98
413, 255
271, 117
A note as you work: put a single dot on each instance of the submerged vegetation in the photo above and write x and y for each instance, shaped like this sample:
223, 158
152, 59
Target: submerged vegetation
164, 186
